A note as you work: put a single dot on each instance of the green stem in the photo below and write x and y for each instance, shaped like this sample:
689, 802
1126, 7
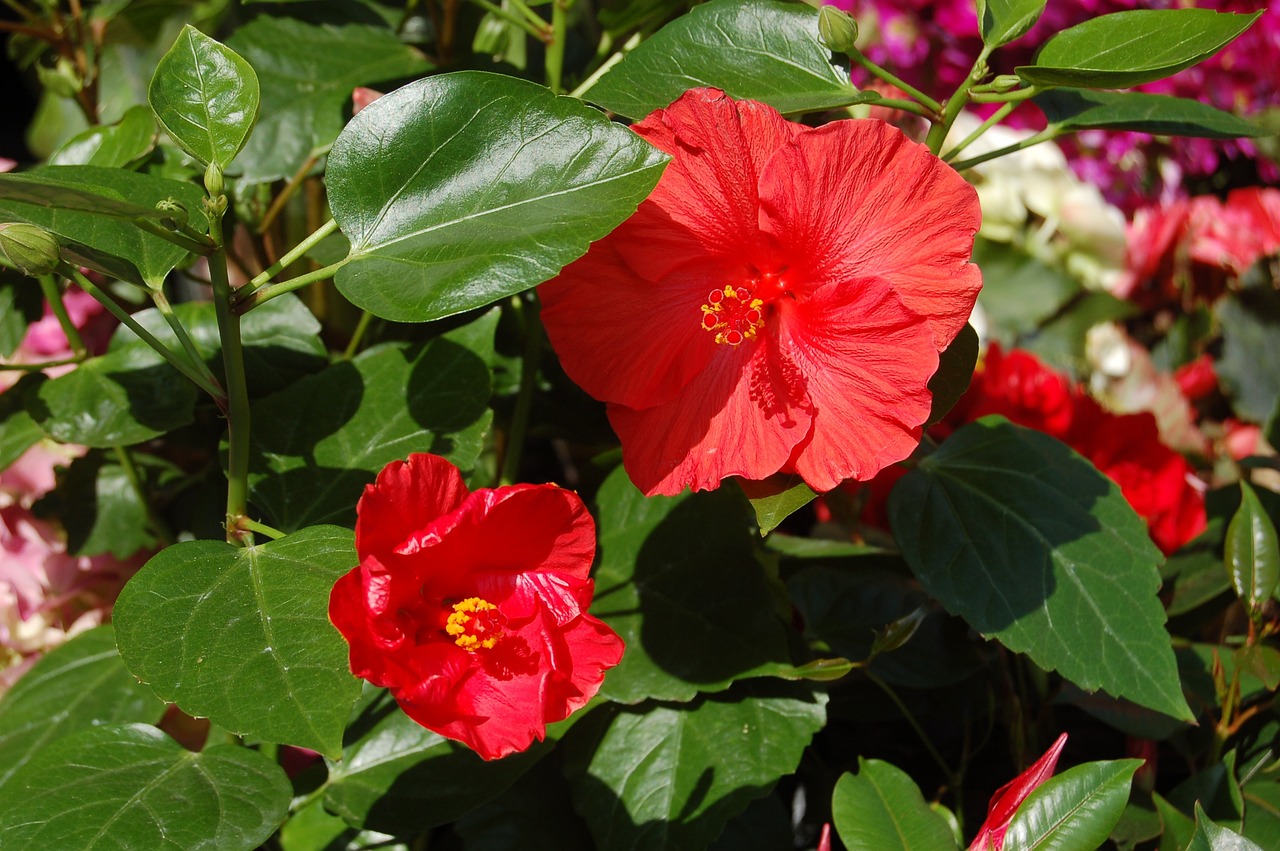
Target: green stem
530, 16
901, 85
1043, 136
538, 31
915, 725
533, 339
178, 361
361, 327
904, 105
161, 302
555, 47
290, 257
995, 119
202, 247
243, 304
1015, 97
158, 526
956, 103
250, 525
46, 364
237, 393
586, 84
53, 295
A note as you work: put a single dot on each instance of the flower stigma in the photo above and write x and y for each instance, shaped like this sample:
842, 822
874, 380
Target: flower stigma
475, 624
733, 314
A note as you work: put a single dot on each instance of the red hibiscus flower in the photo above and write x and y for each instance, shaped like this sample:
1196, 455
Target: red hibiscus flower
777, 304
1005, 802
471, 607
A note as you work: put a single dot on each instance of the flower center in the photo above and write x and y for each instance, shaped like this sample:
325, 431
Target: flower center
733, 315
475, 624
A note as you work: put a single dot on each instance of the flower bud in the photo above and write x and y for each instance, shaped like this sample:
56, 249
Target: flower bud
31, 249
213, 180
174, 213
837, 29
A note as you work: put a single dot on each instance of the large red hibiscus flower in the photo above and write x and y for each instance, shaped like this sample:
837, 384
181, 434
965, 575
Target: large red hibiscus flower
777, 304
472, 608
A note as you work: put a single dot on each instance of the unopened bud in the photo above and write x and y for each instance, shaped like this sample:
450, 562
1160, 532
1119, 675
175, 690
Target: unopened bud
1006, 82
213, 180
173, 213
32, 250
837, 29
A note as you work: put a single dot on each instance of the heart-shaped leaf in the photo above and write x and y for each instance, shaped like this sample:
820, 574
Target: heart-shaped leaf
131, 786
464, 188
242, 636
752, 49
1030, 544
881, 809
81, 684
205, 97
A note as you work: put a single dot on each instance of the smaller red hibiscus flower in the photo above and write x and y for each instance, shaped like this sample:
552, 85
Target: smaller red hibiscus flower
472, 607
1005, 802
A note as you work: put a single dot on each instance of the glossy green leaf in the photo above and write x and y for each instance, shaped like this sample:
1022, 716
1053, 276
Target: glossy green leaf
398, 777
881, 809
670, 776
242, 636
116, 145
281, 340
752, 49
18, 432
955, 372
1252, 553
338, 428
1002, 21
1126, 49
80, 684
131, 786
676, 573
1250, 322
1161, 115
463, 188
118, 399
1209, 836
777, 498
101, 509
307, 73
312, 828
1019, 293
1030, 544
205, 97
1076, 809
84, 204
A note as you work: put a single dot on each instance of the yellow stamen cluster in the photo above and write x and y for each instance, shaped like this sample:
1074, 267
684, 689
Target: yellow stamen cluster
469, 622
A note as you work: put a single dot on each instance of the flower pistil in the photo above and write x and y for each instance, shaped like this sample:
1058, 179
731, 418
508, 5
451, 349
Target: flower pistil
475, 624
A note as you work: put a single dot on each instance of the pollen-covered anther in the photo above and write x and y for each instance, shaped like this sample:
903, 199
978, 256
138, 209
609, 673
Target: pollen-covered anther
476, 624
733, 314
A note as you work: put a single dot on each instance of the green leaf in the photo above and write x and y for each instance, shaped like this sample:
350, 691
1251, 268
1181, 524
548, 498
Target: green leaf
118, 399
955, 371
677, 573
1209, 836
1250, 323
18, 432
131, 786
307, 74
1019, 293
312, 828
535, 814
1252, 552
101, 509
777, 498
1161, 115
881, 809
205, 97
1002, 21
84, 204
1126, 49
752, 49
1030, 544
242, 636
671, 776
464, 188
338, 428
80, 684
398, 777
1060, 342
1073, 810
280, 339
116, 145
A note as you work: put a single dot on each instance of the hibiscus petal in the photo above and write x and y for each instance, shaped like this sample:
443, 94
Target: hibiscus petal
741, 416
867, 359
406, 499
706, 201
623, 338
857, 199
